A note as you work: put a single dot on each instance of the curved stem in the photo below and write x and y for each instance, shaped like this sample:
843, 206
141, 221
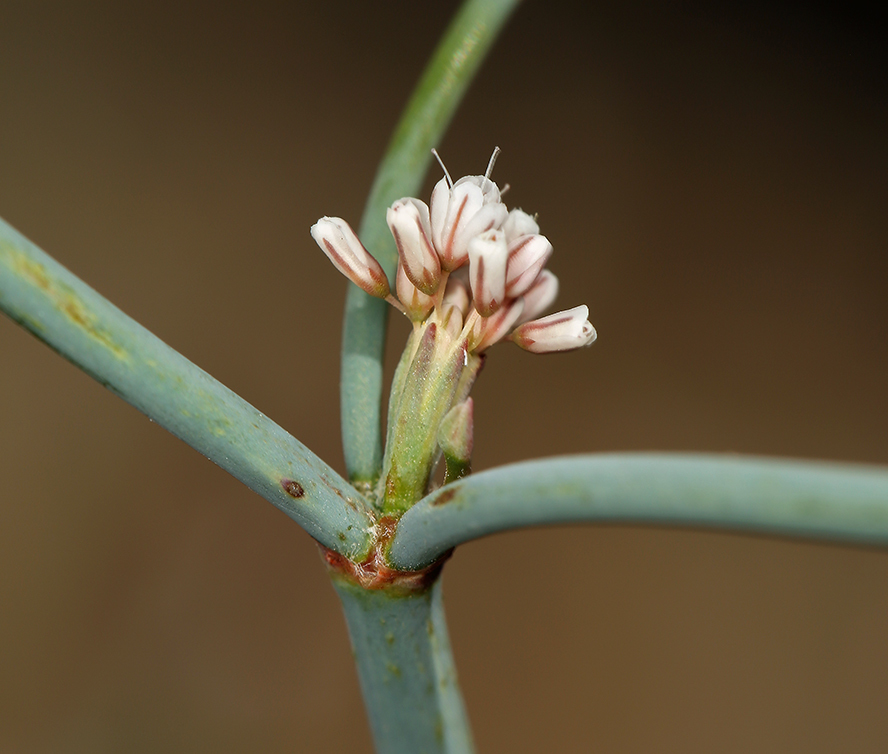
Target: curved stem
85, 328
795, 498
434, 101
406, 669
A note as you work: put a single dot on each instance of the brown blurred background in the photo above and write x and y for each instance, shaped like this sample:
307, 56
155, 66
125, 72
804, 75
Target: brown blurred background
714, 183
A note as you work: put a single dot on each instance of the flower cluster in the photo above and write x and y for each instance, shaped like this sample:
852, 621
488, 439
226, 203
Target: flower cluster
470, 273
467, 263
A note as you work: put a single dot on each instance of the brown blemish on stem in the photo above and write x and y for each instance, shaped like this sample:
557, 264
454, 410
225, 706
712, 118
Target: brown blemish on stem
374, 572
334, 488
293, 488
445, 497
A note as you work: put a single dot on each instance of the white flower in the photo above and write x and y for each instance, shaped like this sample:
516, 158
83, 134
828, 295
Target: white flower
528, 255
488, 256
540, 296
340, 243
519, 223
467, 265
461, 211
470, 273
408, 220
490, 330
562, 331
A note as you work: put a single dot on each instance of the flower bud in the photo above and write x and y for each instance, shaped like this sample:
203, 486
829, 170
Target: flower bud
540, 296
408, 220
456, 437
417, 304
528, 255
488, 256
339, 242
519, 223
457, 294
562, 331
451, 320
489, 330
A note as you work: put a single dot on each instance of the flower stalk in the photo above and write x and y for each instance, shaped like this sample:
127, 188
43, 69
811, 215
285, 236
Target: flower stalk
470, 273
440, 369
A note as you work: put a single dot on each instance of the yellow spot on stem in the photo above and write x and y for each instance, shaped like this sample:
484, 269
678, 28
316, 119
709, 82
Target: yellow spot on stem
393, 669
65, 300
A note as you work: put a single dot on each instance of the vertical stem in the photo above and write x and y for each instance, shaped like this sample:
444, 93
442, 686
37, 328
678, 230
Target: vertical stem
434, 101
406, 669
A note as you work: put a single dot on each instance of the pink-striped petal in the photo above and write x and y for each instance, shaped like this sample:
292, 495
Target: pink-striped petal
408, 220
343, 247
562, 331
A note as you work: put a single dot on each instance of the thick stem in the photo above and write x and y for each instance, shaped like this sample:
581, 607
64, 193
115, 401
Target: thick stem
70, 317
405, 667
827, 501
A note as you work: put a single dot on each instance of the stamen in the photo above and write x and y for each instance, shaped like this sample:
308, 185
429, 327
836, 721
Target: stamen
441, 163
496, 151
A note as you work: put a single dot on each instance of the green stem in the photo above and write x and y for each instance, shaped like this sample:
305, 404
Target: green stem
434, 101
794, 498
406, 669
85, 328
425, 396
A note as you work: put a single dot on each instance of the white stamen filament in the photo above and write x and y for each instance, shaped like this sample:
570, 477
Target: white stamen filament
441, 163
496, 151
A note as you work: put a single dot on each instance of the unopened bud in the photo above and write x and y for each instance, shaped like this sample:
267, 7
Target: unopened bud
489, 330
451, 320
408, 220
519, 223
540, 296
456, 435
488, 256
528, 255
562, 331
457, 294
456, 432
342, 246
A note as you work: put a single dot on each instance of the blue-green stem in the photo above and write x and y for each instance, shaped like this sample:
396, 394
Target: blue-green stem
435, 99
406, 669
85, 328
827, 501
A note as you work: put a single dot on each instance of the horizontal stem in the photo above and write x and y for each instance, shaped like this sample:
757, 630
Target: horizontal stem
770, 496
85, 328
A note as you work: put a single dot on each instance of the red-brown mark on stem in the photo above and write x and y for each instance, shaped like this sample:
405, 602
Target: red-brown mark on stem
374, 573
292, 488
445, 497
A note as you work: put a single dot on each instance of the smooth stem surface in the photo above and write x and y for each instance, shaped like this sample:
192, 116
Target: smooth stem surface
828, 501
434, 101
85, 328
406, 670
